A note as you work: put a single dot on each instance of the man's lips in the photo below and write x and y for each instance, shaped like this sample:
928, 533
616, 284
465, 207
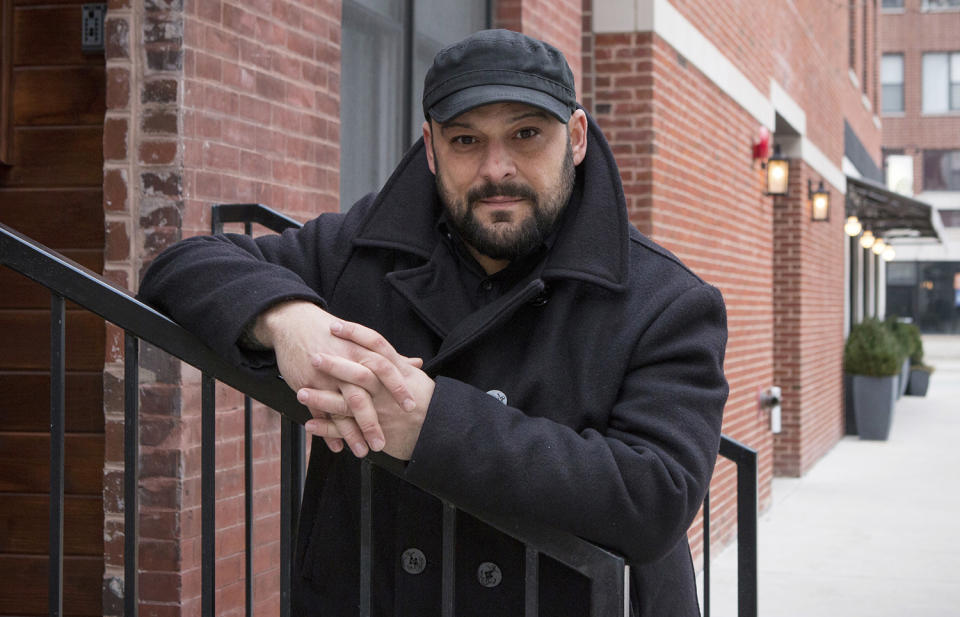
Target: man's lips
500, 200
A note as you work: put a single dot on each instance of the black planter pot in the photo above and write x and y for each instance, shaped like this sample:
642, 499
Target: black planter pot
919, 380
849, 417
904, 378
873, 399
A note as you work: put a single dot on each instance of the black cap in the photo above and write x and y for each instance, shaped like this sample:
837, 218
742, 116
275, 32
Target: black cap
498, 66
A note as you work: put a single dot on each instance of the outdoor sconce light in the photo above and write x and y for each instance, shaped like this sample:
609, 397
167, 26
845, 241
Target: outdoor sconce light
853, 227
878, 247
888, 253
819, 202
867, 239
778, 173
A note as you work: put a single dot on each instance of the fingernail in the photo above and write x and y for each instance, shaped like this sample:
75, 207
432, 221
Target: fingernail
336, 327
317, 360
409, 404
359, 449
377, 444
302, 396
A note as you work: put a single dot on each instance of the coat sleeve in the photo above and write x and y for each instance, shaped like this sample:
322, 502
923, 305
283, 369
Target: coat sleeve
633, 488
215, 285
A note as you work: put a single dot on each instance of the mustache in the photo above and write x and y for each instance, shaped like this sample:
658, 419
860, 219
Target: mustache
495, 189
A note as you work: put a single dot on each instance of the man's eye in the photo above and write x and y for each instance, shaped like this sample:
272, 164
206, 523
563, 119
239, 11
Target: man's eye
464, 140
526, 133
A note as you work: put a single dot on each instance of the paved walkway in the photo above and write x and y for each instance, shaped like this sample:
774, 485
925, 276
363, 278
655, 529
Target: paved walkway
872, 529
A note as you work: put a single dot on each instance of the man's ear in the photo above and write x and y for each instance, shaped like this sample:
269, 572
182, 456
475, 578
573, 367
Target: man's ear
428, 145
578, 135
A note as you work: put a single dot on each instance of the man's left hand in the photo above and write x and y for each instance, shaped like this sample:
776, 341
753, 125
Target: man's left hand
401, 428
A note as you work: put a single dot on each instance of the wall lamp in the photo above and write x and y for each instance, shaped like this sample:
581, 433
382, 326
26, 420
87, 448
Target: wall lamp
867, 239
853, 226
819, 202
778, 173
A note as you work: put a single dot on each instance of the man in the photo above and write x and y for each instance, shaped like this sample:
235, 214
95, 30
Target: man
491, 318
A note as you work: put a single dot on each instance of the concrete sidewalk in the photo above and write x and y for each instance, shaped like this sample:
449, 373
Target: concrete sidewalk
872, 529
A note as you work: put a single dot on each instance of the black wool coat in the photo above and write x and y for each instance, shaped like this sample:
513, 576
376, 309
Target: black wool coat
608, 354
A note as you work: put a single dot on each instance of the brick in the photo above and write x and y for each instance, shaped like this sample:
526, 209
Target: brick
159, 120
116, 38
159, 91
157, 152
115, 190
167, 183
115, 139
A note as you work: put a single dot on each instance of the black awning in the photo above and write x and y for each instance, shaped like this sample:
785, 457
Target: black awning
891, 215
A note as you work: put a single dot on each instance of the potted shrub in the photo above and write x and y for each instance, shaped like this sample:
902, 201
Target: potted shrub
872, 357
907, 345
919, 372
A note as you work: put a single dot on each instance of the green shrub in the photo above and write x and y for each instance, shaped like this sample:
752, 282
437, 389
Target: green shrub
907, 336
872, 350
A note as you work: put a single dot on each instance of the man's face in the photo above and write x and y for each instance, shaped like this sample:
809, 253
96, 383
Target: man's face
504, 173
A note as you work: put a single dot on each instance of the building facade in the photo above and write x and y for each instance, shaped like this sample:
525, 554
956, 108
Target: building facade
920, 71
305, 106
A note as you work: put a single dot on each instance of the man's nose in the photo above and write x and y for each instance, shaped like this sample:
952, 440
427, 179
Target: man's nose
497, 163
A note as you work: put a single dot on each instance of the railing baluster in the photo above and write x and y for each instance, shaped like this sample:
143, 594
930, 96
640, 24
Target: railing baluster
208, 509
57, 430
366, 538
449, 563
531, 600
706, 554
248, 499
291, 487
747, 535
131, 467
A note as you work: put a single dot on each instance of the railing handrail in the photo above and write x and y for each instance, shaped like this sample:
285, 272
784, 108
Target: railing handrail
117, 305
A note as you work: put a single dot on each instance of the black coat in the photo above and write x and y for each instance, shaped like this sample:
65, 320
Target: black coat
609, 353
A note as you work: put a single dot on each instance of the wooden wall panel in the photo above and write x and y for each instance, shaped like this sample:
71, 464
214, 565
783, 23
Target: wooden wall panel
26, 402
28, 575
69, 95
24, 529
52, 191
28, 332
55, 156
27, 455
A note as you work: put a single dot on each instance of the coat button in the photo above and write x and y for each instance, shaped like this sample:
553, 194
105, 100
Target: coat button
413, 561
489, 574
541, 298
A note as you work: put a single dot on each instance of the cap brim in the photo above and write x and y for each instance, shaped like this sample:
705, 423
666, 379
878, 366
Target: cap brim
464, 100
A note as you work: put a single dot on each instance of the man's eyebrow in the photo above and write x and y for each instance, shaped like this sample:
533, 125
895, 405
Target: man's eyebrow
454, 124
530, 114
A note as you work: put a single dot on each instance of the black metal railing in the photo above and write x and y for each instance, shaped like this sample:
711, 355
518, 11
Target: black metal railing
608, 573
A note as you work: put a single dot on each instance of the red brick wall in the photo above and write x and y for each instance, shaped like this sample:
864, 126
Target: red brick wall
808, 338
692, 187
211, 103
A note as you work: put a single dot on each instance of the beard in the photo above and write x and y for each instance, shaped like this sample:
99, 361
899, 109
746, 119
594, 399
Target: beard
506, 239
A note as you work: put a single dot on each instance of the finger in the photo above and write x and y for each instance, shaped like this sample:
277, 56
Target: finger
371, 374
348, 428
322, 402
415, 362
335, 445
323, 427
365, 337
364, 415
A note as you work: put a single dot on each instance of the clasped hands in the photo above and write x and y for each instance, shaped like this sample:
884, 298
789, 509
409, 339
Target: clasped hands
359, 389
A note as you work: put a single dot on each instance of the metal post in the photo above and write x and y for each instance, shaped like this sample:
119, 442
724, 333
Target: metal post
531, 600
366, 538
57, 429
291, 488
131, 464
208, 505
248, 499
747, 601
706, 555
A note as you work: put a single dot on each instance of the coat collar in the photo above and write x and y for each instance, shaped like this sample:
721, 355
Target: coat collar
592, 243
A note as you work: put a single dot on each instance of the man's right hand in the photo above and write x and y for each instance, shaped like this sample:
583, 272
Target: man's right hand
298, 331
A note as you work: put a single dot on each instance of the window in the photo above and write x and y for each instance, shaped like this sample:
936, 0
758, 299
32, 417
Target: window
898, 169
941, 170
387, 47
941, 82
940, 5
891, 82
892, 4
